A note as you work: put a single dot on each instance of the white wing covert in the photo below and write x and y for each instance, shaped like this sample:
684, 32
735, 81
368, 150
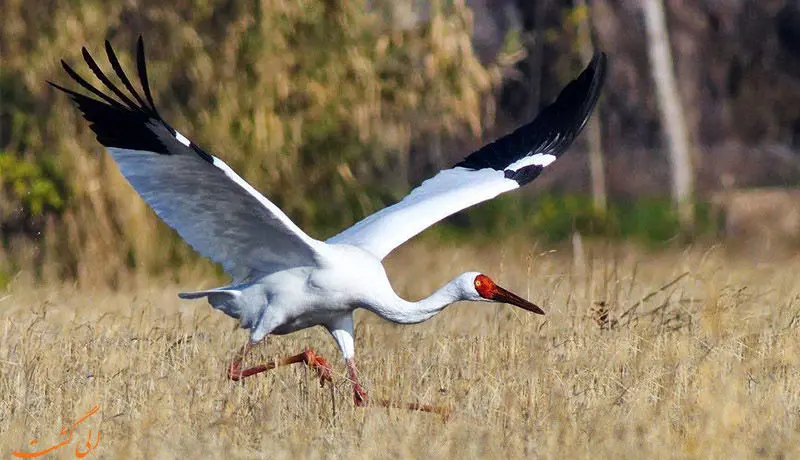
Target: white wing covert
213, 209
505, 164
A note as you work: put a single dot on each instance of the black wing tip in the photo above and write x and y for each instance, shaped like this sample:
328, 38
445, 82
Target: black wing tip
552, 131
572, 110
587, 85
145, 107
142, 67
134, 125
57, 86
599, 59
595, 72
125, 124
598, 62
599, 67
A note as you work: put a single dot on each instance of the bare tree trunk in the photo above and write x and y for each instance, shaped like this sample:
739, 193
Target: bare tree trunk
672, 116
593, 137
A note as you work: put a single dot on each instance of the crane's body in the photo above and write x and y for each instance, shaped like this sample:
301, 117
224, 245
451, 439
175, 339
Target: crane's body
283, 279
344, 278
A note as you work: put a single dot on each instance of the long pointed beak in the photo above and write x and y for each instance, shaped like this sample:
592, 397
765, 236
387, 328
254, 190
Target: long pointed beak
505, 296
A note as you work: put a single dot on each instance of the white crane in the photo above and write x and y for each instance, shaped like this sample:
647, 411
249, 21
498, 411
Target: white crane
283, 279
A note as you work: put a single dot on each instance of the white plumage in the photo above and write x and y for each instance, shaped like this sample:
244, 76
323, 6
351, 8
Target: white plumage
540, 159
284, 280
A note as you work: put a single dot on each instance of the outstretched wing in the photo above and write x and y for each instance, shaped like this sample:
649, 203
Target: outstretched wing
505, 164
211, 207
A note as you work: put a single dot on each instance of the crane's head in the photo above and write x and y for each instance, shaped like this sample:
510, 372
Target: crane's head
477, 286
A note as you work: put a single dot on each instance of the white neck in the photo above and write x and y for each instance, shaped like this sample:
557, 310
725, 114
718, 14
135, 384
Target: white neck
401, 311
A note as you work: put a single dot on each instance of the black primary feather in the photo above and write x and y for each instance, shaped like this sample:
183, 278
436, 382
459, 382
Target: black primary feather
140, 63
112, 58
88, 86
133, 123
102, 77
551, 132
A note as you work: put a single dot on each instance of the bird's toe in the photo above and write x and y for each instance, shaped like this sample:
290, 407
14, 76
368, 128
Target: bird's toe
321, 365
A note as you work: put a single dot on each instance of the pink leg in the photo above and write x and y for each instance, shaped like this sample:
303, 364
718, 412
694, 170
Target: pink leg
309, 357
361, 399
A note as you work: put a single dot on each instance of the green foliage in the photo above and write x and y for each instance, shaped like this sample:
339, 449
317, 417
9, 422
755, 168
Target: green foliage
652, 220
34, 188
5, 279
555, 218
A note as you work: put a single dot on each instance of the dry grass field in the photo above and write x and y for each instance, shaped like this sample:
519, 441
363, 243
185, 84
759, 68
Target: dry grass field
679, 354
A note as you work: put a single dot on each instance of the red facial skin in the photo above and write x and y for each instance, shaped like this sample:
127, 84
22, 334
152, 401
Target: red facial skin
485, 286
490, 291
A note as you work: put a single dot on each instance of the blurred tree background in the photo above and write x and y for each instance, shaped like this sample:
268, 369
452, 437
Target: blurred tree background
315, 102
334, 109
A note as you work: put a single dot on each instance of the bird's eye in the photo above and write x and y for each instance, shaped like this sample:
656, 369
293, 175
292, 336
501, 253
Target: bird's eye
484, 286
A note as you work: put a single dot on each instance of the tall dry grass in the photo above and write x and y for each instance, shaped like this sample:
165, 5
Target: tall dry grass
690, 354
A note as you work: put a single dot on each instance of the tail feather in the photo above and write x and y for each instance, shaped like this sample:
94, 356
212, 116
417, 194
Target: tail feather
226, 300
241, 302
200, 294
